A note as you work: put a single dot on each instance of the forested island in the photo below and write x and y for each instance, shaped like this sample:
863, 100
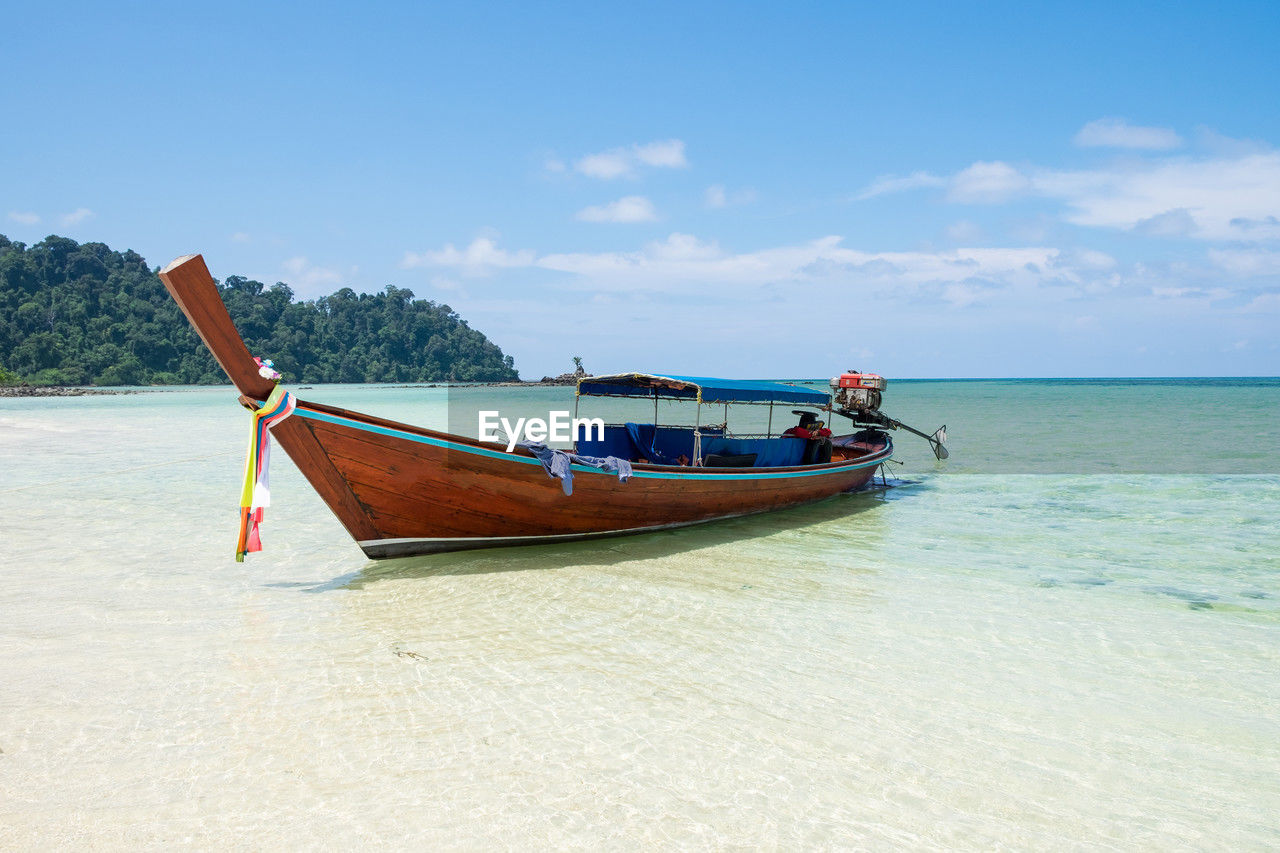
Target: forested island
83, 314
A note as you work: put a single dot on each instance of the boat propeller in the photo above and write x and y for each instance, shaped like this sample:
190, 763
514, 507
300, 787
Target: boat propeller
935, 441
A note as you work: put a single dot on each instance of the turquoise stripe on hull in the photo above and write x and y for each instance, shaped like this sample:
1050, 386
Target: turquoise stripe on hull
692, 474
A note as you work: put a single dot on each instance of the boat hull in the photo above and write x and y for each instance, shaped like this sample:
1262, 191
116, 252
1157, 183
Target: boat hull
417, 491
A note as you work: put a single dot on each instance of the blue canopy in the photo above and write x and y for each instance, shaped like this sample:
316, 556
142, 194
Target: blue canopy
704, 388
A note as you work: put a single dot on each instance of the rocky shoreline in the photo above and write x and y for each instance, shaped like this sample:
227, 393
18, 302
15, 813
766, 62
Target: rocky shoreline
562, 379
25, 390
541, 383
57, 391
76, 391
80, 391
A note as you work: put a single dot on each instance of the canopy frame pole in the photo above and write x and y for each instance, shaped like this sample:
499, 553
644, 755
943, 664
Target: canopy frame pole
655, 411
577, 396
697, 431
726, 419
768, 433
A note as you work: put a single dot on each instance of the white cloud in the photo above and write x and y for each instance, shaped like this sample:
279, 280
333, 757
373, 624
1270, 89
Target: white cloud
1088, 259
1233, 197
1022, 302
683, 247
1263, 227
606, 165
77, 216
240, 237
717, 196
1079, 324
1034, 229
450, 288
988, 182
1118, 133
891, 184
1023, 278
632, 208
668, 154
1216, 199
1227, 146
481, 257
1171, 223
623, 162
1247, 263
305, 276
963, 231
24, 218
964, 294
1201, 293
671, 265
1264, 303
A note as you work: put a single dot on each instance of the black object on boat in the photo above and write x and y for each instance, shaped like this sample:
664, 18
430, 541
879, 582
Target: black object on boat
729, 460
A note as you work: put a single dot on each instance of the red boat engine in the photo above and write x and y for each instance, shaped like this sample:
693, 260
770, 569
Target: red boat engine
857, 396
858, 392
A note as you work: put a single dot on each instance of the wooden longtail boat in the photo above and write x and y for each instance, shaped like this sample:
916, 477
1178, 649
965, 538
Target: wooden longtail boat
401, 490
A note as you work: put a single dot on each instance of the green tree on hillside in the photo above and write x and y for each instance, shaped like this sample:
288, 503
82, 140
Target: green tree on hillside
80, 314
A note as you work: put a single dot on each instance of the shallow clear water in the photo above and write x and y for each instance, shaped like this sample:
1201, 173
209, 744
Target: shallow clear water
1067, 635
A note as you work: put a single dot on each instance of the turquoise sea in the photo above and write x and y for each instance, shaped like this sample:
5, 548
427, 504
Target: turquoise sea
1066, 636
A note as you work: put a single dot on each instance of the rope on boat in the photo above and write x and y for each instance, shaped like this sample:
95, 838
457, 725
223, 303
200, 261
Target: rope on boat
256, 494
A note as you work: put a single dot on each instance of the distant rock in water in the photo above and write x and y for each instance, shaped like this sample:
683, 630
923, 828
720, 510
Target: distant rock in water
566, 378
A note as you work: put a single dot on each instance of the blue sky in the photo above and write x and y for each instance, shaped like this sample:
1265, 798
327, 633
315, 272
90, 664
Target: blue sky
946, 190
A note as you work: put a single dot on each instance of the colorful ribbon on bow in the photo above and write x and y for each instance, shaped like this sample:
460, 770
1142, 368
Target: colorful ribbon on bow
257, 490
